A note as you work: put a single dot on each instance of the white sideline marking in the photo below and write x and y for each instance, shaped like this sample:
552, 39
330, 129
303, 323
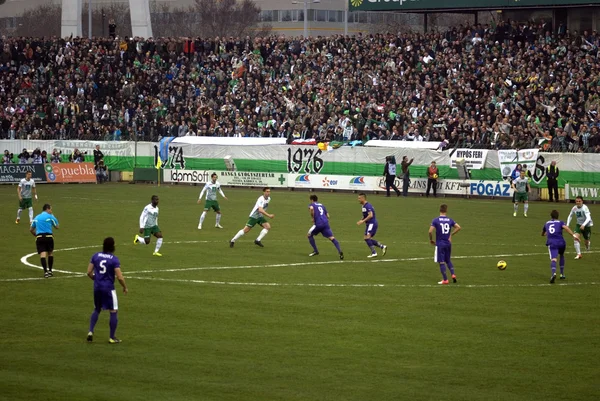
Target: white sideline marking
330, 262
38, 278
358, 285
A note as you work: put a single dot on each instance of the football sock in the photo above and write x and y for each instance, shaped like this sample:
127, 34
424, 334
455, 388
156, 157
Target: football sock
311, 239
443, 271
526, 207
562, 264
262, 234
43, 260
516, 207
337, 245
202, 218
553, 266
450, 267
218, 218
30, 214
113, 324
370, 245
158, 244
577, 247
19, 213
376, 243
238, 235
94, 319
50, 262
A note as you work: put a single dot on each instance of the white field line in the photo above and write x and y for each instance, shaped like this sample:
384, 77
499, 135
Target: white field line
234, 283
8, 280
331, 262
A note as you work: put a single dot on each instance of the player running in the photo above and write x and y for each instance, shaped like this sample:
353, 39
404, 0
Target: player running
257, 216
149, 226
556, 243
444, 228
320, 218
521, 187
370, 220
584, 225
102, 269
25, 189
211, 188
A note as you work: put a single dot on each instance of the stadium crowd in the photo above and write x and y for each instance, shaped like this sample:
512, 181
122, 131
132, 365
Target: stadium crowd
508, 86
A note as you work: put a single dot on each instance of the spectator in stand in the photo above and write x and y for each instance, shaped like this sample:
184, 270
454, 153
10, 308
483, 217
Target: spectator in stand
24, 157
55, 156
485, 86
7, 158
77, 156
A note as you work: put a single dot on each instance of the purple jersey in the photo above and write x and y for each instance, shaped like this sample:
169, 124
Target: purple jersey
443, 229
104, 270
366, 208
553, 230
320, 215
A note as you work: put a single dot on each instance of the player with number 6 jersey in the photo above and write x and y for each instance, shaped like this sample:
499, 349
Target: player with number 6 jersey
553, 230
444, 228
320, 218
370, 220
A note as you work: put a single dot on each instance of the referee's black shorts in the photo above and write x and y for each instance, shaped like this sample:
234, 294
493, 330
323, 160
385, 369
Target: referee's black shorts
44, 243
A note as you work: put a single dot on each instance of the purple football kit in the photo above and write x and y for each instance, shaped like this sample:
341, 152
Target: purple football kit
443, 247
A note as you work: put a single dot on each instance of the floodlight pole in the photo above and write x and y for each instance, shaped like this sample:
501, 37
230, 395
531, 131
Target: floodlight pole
90, 19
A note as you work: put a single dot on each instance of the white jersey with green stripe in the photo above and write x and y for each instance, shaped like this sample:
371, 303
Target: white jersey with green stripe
26, 188
211, 190
521, 184
260, 203
149, 217
582, 214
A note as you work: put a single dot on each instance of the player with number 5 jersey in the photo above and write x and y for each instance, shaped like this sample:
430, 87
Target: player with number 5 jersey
370, 220
444, 228
102, 269
320, 218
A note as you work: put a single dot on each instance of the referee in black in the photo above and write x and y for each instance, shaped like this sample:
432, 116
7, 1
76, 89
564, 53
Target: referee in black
389, 172
41, 228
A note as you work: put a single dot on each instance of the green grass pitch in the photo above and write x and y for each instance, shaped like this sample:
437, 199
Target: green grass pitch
206, 322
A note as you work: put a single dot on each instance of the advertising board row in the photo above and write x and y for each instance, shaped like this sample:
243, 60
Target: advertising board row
336, 182
57, 173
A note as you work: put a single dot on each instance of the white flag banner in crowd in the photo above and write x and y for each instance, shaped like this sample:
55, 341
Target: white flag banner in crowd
474, 158
510, 158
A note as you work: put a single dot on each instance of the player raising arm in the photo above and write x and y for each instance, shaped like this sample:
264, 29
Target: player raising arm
211, 188
584, 225
257, 216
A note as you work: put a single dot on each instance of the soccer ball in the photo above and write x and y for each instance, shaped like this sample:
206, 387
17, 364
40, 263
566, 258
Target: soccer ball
501, 265
435, 176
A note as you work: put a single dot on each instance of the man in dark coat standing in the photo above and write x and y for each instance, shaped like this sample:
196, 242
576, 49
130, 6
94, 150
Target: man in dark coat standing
552, 176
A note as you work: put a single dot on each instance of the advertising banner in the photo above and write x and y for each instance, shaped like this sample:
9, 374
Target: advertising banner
14, 173
510, 158
474, 158
227, 178
70, 172
417, 185
589, 192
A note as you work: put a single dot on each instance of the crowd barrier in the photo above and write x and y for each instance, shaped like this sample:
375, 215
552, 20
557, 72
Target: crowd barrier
209, 154
59, 173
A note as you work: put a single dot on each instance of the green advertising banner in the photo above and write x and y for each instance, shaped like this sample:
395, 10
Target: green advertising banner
408, 5
587, 191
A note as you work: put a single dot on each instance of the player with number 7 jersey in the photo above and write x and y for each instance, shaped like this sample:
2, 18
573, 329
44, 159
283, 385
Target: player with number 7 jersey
444, 228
